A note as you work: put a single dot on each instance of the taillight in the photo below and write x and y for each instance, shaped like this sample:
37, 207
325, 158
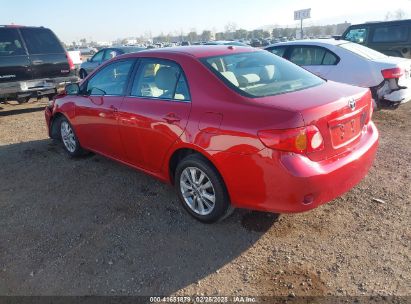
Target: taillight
299, 140
70, 62
392, 73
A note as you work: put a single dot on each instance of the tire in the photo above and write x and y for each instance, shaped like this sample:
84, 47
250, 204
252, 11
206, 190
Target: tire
201, 189
23, 99
82, 74
68, 137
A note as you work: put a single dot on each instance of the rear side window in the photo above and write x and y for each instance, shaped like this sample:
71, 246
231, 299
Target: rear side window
41, 41
311, 55
10, 43
161, 79
357, 35
396, 33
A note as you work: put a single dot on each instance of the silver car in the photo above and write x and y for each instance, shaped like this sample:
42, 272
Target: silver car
103, 55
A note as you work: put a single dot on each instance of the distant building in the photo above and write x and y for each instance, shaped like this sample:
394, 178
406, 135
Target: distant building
341, 27
104, 43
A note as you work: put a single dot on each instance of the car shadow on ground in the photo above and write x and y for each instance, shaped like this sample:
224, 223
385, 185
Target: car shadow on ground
92, 226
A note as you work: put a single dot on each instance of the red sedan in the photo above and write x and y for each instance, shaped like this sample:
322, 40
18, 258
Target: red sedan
228, 126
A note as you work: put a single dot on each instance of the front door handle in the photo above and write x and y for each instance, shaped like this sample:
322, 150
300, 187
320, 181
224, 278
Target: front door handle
171, 118
114, 109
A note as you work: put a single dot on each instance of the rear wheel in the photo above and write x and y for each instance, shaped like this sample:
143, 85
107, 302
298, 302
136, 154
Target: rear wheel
201, 189
82, 74
68, 137
23, 99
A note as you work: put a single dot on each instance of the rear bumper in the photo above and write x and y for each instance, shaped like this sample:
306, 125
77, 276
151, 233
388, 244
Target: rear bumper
33, 88
287, 183
399, 96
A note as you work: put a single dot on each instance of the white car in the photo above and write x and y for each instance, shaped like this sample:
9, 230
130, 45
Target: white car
389, 78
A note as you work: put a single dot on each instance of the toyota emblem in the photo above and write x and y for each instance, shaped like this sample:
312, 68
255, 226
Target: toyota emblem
352, 103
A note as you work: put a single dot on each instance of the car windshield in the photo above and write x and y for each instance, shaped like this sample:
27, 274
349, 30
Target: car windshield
258, 74
362, 51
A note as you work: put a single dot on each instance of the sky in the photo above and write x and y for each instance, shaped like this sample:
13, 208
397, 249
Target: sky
100, 20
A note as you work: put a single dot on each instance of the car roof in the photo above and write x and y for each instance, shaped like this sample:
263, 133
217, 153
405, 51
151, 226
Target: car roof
200, 51
318, 42
385, 22
20, 26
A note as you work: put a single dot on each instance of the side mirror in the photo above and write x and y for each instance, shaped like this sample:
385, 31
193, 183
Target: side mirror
72, 89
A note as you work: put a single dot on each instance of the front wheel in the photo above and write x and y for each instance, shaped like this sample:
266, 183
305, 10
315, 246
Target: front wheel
69, 138
201, 189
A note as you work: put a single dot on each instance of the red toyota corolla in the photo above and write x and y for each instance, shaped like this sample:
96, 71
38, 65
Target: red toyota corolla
228, 126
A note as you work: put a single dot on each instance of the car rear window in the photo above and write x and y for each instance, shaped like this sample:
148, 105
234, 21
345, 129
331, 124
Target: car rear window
393, 33
258, 74
10, 43
362, 51
41, 41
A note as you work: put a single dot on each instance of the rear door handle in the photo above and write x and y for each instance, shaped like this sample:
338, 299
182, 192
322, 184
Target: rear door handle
171, 118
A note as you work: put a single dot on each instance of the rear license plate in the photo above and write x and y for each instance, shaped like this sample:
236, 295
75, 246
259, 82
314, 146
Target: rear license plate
344, 132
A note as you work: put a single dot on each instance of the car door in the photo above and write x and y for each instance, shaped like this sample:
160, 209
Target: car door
155, 113
47, 55
97, 109
14, 61
392, 39
94, 62
318, 60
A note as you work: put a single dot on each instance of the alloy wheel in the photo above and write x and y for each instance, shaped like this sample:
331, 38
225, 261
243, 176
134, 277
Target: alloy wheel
197, 190
68, 137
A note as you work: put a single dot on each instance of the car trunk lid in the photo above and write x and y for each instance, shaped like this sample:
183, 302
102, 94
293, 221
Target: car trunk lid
339, 111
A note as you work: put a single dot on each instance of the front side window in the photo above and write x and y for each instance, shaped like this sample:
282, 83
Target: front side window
396, 33
160, 79
41, 41
258, 74
111, 80
109, 54
98, 57
357, 35
10, 43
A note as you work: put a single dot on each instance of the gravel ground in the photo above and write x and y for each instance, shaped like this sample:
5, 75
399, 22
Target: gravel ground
93, 226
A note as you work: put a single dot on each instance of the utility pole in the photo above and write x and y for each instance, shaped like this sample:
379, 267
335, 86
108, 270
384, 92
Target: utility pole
301, 15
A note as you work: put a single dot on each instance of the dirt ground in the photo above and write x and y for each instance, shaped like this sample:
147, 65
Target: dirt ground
95, 227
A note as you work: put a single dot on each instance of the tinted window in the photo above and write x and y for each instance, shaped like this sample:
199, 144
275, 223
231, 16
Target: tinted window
10, 43
98, 57
303, 55
41, 41
279, 50
258, 74
330, 59
396, 33
160, 79
111, 80
357, 35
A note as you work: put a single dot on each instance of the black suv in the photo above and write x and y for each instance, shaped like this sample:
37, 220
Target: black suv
392, 38
33, 63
